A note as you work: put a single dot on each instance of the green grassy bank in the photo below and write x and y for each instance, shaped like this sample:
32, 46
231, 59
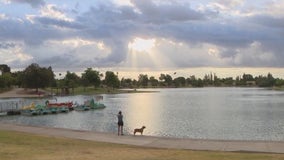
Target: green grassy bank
16, 145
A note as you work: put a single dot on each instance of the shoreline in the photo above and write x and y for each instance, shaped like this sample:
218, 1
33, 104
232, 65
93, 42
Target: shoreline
151, 141
22, 93
30, 93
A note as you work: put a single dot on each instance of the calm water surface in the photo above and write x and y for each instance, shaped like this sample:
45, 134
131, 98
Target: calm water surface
202, 113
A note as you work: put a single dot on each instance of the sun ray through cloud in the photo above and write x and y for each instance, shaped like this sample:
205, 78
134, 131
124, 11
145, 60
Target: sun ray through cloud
144, 35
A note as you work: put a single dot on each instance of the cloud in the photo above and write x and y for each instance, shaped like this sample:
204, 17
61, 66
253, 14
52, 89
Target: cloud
12, 52
165, 13
204, 33
33, 3
6, 45
57, 23
254, 56
3, 17
268, 21
55, 12
231, 7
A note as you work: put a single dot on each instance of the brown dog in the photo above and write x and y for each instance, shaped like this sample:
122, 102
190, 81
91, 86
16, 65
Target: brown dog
139, 130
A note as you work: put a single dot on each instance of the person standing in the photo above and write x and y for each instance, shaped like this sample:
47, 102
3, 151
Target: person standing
120, 123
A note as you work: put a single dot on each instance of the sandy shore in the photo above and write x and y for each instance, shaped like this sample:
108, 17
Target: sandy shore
22, 93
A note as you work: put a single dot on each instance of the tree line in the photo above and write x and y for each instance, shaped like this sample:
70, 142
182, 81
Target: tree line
35, 77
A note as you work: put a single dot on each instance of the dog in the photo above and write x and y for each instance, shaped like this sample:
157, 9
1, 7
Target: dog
139, 130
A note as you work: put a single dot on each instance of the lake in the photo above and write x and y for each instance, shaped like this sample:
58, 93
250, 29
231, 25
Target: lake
198, 113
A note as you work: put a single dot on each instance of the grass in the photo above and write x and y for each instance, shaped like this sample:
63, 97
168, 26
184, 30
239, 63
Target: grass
2, 90
17, 145
92, 90
281, 88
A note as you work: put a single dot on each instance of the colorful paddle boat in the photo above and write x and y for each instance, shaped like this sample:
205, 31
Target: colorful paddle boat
89, 105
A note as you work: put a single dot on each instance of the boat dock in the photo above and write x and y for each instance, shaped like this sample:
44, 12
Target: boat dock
9, 108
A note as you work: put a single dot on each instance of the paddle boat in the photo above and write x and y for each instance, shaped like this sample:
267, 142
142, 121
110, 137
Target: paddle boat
48, 108
89, 105
62, 107
81, 108
30, 110
96, 105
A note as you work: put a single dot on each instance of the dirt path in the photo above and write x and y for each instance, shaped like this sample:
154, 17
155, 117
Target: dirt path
153, 142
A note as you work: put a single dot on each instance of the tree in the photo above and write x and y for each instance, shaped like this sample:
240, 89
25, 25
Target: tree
197, 83
179, 82
143, 80
71, 79
8, 80
36, 77
270, 80
166, 79
18, 78
154, 82
126, 83
2, 82
190, 80
111, 80
91, 77
263, 81
228, 81
239, 81
244, 80
50, 75
5, 68
279, 82
248, 77
217, 81
207, 80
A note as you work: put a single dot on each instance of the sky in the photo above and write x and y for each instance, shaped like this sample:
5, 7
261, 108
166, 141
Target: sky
189, 37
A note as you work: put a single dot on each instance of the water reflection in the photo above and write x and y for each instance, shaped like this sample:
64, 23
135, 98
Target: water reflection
143, 110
